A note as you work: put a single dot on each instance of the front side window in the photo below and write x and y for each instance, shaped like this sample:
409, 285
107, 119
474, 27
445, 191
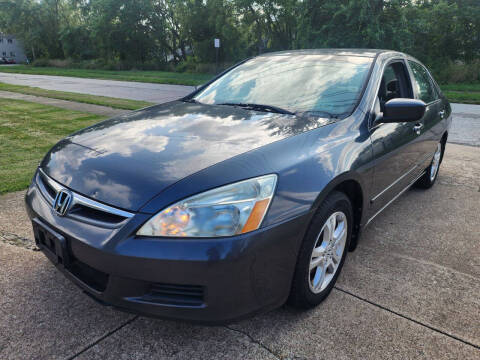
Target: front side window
422, 83
394, 83
317, 84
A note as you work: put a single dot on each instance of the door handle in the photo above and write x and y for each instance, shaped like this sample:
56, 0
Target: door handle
442, 114
417, 128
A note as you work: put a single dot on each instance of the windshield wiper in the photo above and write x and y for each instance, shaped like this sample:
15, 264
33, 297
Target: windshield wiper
260, 107
319, 113
192, 100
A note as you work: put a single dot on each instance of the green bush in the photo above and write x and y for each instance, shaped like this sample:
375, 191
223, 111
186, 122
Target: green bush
60, 63
457, 72
41, 63
102, 64
192, 65
188, 65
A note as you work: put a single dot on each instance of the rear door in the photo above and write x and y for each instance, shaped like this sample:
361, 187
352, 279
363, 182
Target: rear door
425, 90
396, 146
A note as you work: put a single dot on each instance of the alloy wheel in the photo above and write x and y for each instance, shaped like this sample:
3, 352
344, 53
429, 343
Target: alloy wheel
435, 162
328, 252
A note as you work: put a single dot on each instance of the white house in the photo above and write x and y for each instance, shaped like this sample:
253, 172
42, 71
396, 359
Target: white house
12, 48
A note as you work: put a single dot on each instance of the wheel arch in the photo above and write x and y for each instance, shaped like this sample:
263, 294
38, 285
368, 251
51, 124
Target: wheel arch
444, 143
352, 186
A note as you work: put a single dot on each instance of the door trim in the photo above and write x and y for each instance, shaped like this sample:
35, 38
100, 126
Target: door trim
372, 200
395, 197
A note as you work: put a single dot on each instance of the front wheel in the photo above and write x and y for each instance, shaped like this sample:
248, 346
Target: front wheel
430, 176
323, 252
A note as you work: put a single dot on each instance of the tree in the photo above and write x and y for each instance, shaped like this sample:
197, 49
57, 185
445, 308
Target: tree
138, 32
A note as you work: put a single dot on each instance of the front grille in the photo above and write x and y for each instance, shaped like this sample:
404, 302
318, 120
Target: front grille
179, 295
84, 212
52, 193
94, 278
83, 208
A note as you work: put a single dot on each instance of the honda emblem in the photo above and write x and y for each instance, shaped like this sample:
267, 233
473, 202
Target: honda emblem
62, 202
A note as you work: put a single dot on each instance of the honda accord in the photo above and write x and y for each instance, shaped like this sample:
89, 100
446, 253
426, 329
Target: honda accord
247, 193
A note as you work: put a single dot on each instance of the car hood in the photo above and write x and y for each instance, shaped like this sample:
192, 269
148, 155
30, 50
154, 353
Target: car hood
126, 160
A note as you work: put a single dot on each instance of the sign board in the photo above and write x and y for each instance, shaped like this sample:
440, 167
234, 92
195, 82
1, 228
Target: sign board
216, 42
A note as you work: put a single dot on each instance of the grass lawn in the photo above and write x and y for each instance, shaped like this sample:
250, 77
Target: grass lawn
161, 77
27, 131
463, 97
82, 98
462, 93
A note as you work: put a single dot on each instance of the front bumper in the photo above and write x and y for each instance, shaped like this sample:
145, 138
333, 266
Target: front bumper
208, 280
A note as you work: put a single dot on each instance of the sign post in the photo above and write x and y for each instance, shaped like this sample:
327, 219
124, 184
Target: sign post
216, 43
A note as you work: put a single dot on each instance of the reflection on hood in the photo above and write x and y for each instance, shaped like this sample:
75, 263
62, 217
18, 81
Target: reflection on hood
127, 160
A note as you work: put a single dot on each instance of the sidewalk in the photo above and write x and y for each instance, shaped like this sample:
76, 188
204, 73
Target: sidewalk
70, 105
156, 93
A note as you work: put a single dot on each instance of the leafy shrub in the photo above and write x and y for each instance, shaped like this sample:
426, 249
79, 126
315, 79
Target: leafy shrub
457, 72
41, 62
60, 63
192, 65
102, 64
188, 65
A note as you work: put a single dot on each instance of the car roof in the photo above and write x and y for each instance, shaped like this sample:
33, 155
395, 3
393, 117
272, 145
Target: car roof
371, 53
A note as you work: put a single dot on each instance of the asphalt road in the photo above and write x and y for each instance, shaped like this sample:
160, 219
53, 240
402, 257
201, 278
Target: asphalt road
410, 290
465, 130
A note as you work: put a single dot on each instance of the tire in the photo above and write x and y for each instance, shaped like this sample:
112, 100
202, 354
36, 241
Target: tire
431, 174
306, 291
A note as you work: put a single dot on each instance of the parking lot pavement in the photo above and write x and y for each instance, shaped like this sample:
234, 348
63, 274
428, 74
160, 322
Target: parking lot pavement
410, 290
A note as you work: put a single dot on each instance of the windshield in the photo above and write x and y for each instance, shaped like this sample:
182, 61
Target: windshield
323, 84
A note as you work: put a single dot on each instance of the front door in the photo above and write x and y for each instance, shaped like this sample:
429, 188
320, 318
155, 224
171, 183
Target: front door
396, 146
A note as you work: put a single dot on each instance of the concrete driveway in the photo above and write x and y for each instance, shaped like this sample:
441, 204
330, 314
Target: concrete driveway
410, 290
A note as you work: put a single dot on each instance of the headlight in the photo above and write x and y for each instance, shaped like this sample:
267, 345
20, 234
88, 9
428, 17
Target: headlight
228, 210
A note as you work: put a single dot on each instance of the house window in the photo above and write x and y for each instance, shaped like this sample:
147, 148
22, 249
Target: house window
1, 40
12, 54
10, 41
4, 53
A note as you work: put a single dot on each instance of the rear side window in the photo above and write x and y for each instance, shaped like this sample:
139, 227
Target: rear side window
423, 83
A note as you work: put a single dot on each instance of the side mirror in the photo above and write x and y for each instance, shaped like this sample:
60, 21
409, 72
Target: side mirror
403, 110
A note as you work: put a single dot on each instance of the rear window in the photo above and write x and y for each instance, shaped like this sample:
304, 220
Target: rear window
298, 83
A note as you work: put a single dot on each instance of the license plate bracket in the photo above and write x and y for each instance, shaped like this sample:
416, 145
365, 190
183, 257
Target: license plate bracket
52, 244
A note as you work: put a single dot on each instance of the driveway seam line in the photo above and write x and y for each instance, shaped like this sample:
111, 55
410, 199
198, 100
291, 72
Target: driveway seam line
103, 337
466, 342
464, 144
254, 341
